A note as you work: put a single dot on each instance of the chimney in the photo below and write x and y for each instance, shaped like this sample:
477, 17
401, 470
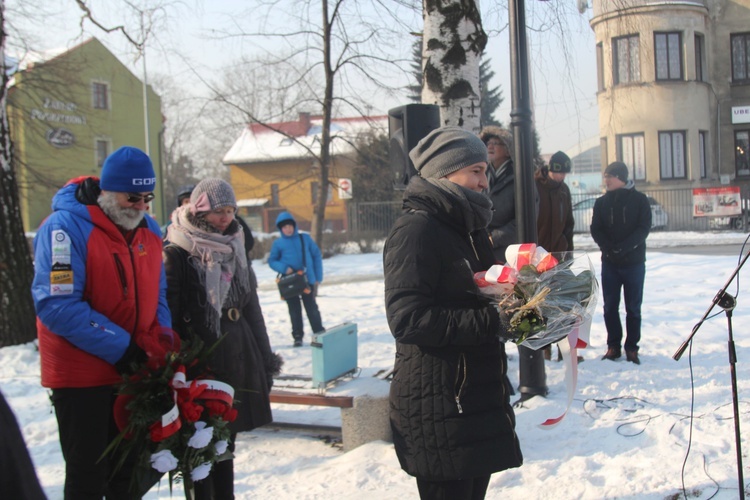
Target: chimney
304, 122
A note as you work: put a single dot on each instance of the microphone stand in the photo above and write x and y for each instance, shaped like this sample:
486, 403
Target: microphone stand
728, 303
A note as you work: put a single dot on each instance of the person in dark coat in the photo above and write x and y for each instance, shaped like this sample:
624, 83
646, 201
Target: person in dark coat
620, 225
211, 294
17, 476
532, 379
554, 222
450, 411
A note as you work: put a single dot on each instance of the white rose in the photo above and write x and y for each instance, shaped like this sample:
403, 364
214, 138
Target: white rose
200, 472
163, 461
221, 447
202, 436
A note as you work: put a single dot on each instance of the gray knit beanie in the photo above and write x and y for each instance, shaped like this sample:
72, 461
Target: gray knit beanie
617, 169
446, 150
211, 194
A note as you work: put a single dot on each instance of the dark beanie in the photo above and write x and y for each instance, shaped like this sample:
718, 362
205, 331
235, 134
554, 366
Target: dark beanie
211, 194
446, 150
559, 163
128, 170
617, 169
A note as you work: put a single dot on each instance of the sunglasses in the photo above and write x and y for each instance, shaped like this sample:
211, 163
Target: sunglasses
135, 197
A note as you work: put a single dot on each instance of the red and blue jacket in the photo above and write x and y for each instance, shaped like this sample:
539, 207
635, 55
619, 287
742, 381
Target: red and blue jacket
93, 289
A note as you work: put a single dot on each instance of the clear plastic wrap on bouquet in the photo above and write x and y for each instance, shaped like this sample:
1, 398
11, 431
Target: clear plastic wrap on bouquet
544, 295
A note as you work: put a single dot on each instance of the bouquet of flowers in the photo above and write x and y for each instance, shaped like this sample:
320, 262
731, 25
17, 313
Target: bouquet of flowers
171, 424
544, 297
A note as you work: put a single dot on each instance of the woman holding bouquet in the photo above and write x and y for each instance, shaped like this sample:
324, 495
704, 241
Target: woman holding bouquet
211, 295
453, 425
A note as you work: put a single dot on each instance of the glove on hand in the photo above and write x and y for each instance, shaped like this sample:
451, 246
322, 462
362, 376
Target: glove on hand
505, 331
133, 356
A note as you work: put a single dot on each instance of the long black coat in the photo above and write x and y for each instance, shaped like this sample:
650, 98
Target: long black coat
242, 359
449, 406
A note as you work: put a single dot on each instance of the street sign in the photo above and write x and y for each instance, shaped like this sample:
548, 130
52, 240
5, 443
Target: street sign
345, 189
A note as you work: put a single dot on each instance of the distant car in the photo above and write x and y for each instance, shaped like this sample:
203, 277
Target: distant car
584, 210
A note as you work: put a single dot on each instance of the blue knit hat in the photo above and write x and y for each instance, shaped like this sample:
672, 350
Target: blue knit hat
128, 170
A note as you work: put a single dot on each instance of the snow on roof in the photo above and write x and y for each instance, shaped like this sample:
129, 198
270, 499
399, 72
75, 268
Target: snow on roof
259, 143
252, 202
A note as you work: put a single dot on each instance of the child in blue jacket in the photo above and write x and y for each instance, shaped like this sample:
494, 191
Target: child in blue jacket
286, 258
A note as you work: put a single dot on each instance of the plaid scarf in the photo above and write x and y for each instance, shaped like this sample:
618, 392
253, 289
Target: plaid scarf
217, 258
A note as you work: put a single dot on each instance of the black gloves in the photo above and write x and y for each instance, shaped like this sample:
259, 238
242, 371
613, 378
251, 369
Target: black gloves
505, 331
133, 356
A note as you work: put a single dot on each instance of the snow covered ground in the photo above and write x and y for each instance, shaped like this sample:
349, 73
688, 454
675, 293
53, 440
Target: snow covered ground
627, 435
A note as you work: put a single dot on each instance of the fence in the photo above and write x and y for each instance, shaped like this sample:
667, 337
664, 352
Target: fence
672, 210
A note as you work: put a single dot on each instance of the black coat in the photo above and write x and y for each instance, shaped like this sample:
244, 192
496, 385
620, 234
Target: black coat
503, 228
449, 404
243, 358
620, 223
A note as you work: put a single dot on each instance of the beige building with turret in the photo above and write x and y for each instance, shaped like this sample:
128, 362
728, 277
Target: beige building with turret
674, 90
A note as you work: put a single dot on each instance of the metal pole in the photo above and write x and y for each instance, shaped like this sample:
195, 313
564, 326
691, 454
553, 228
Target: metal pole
532, 378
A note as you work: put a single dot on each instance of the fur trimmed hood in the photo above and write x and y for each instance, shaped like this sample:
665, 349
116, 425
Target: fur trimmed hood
506, 136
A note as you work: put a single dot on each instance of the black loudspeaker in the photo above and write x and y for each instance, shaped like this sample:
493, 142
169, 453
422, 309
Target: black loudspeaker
406, 126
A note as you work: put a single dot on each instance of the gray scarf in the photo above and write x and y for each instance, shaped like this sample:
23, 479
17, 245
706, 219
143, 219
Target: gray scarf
217, 259
476, 207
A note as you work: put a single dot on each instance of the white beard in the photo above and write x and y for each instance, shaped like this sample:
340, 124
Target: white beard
126, 218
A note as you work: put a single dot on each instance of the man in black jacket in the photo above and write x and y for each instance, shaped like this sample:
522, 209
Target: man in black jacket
620, 224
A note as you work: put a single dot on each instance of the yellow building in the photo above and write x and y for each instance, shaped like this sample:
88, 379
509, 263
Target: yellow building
67, 113
272, 168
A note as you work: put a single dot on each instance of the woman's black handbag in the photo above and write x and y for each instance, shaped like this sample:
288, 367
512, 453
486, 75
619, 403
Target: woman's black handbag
295, 284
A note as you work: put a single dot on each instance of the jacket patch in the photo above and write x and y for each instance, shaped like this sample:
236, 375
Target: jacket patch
60, 247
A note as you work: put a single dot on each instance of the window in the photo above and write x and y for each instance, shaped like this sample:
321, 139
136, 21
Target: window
741, 154
700, 62
631, 150
626, 62
668, 56
741, 58
600, 66
275, 195
604, 152
672, 155
102, 151
100, 95
702, 147
314, 189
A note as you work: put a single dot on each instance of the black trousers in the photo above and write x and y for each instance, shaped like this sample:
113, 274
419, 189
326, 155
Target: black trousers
311, 308
86, 426
219, 485
473, 488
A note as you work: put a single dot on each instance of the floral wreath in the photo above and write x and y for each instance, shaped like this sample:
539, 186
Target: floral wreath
169, 423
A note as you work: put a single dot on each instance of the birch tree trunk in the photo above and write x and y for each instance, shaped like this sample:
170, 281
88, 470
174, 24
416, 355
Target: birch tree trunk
17, 316
452, 44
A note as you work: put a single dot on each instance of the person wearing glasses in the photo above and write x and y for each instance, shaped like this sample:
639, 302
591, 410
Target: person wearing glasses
532, 379
99, 284
211, 294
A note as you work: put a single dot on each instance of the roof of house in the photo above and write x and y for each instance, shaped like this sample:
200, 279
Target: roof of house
297, 139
